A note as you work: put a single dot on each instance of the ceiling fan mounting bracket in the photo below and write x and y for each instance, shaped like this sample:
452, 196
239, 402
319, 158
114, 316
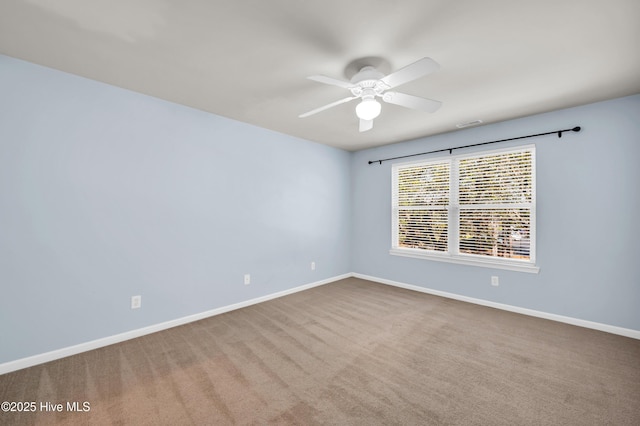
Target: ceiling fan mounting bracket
367, 74
354, 67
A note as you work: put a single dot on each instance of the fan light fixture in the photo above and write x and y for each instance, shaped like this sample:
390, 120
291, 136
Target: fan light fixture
368, 109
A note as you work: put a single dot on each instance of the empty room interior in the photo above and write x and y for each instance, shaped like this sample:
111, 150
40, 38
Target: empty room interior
350, 213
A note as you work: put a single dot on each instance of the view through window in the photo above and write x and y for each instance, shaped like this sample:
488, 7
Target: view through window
478, 206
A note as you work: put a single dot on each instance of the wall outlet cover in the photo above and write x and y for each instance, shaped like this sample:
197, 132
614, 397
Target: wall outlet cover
136, 302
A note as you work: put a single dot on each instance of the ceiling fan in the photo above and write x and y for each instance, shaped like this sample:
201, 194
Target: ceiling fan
369, 83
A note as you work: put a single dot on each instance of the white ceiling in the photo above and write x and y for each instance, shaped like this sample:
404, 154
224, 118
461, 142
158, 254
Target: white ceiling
248, 59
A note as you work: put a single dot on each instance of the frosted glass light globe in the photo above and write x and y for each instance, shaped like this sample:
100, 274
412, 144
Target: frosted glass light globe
368, 109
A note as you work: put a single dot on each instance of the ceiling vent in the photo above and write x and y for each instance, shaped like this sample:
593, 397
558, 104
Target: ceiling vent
469, 124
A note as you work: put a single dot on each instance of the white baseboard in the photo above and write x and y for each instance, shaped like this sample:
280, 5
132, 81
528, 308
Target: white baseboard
106, 341
627, 332
19, 364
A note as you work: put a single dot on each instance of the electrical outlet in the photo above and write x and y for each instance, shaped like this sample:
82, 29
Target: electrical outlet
313, 266
495, 281
136, 302
247, 279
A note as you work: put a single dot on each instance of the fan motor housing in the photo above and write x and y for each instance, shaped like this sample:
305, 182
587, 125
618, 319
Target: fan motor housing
367, 83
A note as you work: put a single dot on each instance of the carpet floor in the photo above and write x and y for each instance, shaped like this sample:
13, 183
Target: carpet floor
351, 352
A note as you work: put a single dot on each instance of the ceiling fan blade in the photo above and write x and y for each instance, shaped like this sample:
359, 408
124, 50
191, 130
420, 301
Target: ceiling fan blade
410, 101
322, 108
332, 81
365, 125
411, 72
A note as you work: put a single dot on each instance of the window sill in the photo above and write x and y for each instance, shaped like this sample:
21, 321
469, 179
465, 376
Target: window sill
468, 260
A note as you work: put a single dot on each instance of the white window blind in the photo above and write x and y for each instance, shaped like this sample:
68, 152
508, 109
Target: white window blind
477, 209
423, 200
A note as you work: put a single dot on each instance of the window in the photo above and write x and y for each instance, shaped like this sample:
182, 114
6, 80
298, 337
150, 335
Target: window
474, 209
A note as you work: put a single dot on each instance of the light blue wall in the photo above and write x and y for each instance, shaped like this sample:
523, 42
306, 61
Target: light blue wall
105, 194
588, 231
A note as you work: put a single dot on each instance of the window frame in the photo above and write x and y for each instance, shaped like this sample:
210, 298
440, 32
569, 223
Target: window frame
453, 254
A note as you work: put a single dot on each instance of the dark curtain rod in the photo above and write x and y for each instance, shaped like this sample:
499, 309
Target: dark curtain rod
558, 132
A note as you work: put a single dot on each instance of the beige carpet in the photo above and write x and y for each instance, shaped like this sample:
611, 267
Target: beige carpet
350, 352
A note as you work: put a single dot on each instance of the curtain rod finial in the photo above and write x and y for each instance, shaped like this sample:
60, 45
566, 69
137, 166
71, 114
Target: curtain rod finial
576, 129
